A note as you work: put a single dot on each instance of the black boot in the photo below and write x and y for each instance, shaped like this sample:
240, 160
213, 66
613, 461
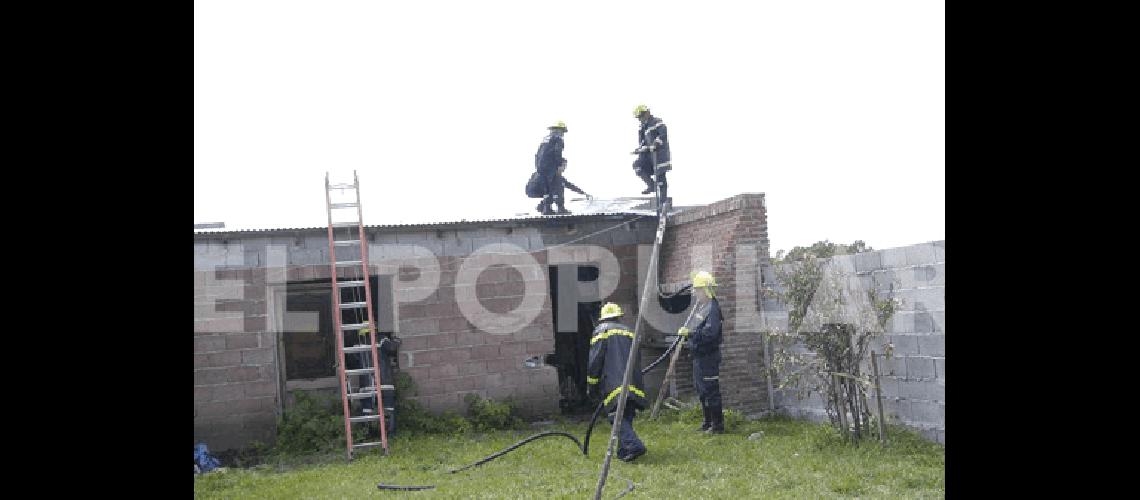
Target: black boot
717, 420
544, 206
561, 208
649, 187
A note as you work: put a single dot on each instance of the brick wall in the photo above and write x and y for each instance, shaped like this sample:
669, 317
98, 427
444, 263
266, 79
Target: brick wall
914, 379
238, 388
728, 238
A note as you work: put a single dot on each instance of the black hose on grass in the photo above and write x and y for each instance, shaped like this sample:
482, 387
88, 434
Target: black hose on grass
396, 487
583, 445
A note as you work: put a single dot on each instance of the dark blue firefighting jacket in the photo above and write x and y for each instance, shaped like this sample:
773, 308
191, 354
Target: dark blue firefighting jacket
609, 352
653, 133
704, 335
549, 155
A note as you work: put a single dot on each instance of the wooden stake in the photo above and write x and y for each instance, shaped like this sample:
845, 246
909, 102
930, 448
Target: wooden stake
878, 396
771, 371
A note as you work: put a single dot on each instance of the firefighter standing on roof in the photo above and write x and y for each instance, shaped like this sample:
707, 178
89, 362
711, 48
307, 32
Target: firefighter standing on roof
609, 352
703, 332
652, 138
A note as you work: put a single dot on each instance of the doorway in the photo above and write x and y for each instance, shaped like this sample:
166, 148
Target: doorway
574, 323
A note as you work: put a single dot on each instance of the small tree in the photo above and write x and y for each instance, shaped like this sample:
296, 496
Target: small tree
821, 250
831, 321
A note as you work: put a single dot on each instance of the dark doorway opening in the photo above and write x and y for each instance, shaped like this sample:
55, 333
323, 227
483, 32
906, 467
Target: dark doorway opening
572, 336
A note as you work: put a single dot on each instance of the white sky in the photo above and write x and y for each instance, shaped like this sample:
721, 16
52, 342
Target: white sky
834, 109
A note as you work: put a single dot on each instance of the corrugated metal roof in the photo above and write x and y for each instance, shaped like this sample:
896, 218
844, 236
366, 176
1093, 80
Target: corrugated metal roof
579, 208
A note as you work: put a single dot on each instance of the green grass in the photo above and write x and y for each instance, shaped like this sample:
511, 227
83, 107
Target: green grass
793, 459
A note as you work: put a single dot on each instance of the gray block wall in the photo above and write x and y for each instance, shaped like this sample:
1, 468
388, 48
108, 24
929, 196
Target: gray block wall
238, 388
913, 378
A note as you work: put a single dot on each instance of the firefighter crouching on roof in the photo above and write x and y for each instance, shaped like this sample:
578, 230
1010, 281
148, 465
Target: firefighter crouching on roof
547, 161
609, 352
704, 338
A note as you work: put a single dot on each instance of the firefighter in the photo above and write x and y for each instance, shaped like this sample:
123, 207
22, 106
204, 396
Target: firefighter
609, 352
652, 138
703, 333
547, 161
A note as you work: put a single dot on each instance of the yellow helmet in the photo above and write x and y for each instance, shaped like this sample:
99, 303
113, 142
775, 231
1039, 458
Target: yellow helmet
610, 310
641, 108
703, 279
560, 124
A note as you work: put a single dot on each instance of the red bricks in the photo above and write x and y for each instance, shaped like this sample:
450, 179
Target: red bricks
442, 371
441, 340
469, 338
512, 349
503, 365
484, 352
455, 324
535, 347
472, 368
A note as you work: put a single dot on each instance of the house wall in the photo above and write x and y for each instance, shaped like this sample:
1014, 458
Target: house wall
728, 238
446, 349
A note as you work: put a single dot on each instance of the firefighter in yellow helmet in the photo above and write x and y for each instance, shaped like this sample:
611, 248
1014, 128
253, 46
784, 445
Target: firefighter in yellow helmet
653, 159
703, 332
609, 352
547, 161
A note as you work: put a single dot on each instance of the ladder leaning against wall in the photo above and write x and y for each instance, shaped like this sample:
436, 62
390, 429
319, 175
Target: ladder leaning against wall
350, 278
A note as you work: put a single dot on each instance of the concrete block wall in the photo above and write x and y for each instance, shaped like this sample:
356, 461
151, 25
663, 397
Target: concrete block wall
237, 386
914, 378
730, 239
235, 371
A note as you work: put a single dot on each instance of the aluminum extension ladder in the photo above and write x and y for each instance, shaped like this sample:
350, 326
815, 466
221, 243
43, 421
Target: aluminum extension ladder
354, 384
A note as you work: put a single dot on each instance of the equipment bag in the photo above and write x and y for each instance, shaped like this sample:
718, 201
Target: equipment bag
534, 187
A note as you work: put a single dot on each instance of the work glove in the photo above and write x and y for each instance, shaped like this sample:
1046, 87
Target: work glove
639, 150
684, 332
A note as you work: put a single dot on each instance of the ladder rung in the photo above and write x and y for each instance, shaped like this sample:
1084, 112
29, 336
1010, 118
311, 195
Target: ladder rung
366, 445
361, 395
343, 205
357, 348
346, 284
353, 305
342, 186
346, 263
346, 224
353, 326
364, 418
383, 387
359, 371
346, 243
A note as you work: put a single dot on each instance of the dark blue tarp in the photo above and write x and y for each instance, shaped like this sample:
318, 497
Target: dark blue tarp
203, 459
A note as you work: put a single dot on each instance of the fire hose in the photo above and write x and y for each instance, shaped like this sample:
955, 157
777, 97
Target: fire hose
583, 445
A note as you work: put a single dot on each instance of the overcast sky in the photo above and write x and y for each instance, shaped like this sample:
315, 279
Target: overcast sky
834, 109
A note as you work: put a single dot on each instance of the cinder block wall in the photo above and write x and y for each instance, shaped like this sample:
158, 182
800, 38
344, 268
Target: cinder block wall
730, 238
235, 370
914, 379
237, 389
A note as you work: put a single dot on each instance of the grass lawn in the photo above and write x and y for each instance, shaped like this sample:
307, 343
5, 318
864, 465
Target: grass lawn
792, 459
